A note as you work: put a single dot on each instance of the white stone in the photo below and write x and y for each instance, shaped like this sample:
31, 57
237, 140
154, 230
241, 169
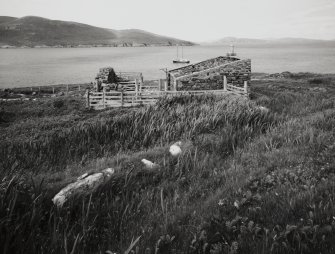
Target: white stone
84, 184
82, 176
149, 164
263, 109
175, 149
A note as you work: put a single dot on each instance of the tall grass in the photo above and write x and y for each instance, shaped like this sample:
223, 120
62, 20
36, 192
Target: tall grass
232, 121
139, 129
247, 181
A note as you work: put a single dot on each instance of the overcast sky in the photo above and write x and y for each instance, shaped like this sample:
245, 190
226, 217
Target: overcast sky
195, 20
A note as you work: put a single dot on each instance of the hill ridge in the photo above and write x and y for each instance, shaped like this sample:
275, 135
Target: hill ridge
34, 31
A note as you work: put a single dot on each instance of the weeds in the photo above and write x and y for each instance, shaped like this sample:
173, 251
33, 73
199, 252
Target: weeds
247, 181
137, 130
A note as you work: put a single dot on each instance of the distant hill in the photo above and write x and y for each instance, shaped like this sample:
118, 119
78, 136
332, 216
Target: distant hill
264, 42
4, 19
34, 31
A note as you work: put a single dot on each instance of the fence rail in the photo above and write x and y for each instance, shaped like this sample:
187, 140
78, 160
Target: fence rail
146, 95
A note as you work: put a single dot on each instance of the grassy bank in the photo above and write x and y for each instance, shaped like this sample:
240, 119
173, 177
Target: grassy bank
248, 180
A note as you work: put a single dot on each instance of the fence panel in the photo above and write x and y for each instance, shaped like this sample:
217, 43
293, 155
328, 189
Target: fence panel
149, 94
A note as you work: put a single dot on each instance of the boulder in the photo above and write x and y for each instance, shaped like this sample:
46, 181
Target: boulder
85, 184
149, 164
175, 149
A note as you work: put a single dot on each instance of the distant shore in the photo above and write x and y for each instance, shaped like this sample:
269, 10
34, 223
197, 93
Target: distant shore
124, 45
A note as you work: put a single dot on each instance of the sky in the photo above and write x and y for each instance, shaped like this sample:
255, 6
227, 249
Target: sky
197, 20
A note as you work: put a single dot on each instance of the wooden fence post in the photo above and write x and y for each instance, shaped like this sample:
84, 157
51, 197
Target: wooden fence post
136, 91
165, 85
225, 83
103, 98
121, 98
88, 98
79, 88
160, 84
246, 87
53, 90
175, 85
67, 89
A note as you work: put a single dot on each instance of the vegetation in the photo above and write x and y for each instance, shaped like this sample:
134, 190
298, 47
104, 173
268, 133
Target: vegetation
34, 31
249, 180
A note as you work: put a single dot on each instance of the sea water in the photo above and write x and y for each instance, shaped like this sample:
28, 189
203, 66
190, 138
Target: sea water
51, 66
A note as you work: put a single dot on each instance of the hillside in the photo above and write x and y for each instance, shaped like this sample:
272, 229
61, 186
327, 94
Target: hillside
36, 31
4, 19
270, 42
250, 179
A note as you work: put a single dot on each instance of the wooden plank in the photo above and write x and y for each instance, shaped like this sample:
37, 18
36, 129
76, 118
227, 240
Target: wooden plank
235, 87
125, 99
225, 83
93, 98
113, 96
126, 82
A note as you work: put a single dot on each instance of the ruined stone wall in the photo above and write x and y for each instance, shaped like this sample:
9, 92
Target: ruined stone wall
236, 71
103, 74
202, 65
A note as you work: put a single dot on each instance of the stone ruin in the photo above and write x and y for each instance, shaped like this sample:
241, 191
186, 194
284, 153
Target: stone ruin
111, 80
208, 74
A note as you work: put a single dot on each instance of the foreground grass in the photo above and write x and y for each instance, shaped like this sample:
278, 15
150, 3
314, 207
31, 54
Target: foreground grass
248, 181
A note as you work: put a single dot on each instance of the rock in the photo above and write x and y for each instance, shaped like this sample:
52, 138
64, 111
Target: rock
84, 184
175, 149
263, 109
82, 176
149, 164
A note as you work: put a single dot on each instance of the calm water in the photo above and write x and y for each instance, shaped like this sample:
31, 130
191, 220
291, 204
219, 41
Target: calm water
34, 67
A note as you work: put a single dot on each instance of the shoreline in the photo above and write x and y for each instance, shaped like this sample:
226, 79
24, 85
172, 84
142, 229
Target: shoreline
126, 45
254, 75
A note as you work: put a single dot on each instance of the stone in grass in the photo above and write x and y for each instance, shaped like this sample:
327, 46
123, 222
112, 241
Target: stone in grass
263, 109
149, 164
84, 184
175, 149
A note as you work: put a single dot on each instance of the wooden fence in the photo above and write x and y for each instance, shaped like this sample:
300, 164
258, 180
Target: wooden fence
130, 76
136, 93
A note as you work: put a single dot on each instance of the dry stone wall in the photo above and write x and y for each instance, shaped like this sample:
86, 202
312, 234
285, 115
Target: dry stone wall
103, 74
202, 65
237, 71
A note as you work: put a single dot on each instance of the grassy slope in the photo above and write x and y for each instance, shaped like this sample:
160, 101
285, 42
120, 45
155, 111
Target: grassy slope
247, 180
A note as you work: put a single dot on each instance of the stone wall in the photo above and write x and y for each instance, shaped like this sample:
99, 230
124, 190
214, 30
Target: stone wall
237, 71
202, 65
103, 74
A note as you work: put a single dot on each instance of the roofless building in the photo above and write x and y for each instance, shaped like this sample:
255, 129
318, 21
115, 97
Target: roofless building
219, 75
